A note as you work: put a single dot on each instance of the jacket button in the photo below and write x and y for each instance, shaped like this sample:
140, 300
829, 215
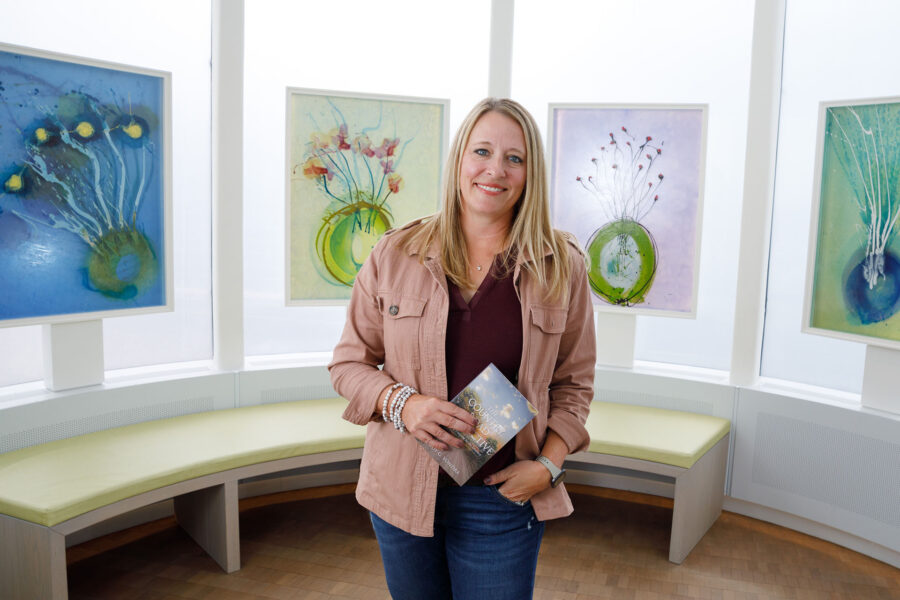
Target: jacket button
394, 309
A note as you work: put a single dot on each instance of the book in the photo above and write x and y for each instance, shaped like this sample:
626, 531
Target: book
500, 411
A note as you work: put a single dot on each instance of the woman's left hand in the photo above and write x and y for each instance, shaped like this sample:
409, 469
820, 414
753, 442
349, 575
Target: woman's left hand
521, 480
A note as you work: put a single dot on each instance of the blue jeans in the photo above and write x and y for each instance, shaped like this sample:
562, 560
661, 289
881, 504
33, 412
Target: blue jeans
484, 546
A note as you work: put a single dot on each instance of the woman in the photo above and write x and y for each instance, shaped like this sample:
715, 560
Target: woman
485, 280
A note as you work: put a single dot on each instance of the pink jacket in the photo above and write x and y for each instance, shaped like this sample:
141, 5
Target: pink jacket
398, 318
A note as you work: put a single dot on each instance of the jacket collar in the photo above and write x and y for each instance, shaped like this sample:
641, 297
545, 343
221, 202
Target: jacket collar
434, 249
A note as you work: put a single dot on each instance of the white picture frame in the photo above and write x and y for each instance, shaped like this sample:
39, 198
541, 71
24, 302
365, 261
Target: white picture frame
588, 201
112, 212
348, 203
838, 301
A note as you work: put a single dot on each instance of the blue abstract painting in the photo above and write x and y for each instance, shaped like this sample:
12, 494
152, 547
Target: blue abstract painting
853, 280
82, 191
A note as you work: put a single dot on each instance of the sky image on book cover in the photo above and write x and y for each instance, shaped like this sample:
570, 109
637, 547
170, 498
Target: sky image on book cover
500, 412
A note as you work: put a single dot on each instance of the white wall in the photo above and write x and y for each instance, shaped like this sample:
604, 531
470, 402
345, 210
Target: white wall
657, 52
146, 35
830, 54
354, 46
853, 447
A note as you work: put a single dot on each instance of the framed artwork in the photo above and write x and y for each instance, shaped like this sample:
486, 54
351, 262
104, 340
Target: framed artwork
627, 181
85, 192
357, 165
853, 267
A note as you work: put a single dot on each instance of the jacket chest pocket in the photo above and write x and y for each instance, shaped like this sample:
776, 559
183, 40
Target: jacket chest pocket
402, 318
545, 331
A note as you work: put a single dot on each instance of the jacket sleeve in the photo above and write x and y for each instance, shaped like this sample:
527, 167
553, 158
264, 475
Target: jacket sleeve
354, 365
572, 384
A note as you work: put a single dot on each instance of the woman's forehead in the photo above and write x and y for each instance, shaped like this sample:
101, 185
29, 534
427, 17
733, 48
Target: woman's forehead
493, 125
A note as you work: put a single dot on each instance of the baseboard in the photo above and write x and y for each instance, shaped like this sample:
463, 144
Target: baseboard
620, 479
145, 514
287, 483
319, 477
315, 476
811, 528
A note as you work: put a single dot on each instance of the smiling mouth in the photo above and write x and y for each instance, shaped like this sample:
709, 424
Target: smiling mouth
489, 188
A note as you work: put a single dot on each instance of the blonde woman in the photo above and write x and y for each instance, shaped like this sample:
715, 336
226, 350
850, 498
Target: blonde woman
485, 280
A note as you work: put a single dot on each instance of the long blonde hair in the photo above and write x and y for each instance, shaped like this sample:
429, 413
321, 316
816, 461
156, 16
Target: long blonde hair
531, 235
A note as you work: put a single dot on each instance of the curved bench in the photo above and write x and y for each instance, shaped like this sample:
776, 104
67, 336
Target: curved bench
688, 449
52, 490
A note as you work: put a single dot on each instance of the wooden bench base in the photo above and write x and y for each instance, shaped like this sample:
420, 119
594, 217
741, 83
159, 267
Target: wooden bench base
33, 557
699, 491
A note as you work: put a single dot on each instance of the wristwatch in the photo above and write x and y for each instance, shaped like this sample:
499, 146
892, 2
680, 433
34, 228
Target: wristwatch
556, 474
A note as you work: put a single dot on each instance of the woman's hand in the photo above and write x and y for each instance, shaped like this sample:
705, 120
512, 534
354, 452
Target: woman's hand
424, 415
521, 480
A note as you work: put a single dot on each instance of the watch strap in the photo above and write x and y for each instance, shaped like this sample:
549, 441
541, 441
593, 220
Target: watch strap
555, 472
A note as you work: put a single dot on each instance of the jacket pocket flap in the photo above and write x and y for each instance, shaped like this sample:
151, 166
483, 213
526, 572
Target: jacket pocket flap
549, 320
404, 306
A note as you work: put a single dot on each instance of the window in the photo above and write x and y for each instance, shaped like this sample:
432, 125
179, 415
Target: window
402, 49
657, 52
142, 34
832, 52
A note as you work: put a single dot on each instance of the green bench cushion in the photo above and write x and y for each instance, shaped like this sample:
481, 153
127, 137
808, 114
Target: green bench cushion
53, 482
658, 435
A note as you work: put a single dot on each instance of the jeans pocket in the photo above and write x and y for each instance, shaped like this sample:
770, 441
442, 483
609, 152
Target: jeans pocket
500, 495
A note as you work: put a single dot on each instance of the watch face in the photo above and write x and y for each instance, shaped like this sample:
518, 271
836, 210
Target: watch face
559, 478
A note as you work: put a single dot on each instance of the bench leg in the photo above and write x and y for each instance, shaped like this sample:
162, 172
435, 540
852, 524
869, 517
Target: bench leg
210, 516
699, 494
32, 561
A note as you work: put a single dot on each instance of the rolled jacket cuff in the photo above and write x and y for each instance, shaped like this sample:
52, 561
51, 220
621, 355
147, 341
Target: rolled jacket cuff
570, 428
366, 402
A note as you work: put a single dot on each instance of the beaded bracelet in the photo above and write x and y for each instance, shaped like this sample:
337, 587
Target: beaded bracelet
397, 407
393, 404
392, 413
384, 404
401, 427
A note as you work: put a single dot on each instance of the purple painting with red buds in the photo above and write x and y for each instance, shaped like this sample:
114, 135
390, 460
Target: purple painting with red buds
628, 183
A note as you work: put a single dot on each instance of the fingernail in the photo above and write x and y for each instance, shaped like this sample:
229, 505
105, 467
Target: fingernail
488, 480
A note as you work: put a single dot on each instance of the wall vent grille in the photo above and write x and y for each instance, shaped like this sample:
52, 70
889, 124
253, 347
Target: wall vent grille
89, 424
656, 401
300, 392
829, 465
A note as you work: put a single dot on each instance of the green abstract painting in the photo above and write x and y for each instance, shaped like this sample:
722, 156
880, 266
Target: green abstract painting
853, 290
357, 166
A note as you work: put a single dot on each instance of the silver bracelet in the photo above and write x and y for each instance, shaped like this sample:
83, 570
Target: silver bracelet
393, 404
396, 410
397, 407
384, 403
401, 427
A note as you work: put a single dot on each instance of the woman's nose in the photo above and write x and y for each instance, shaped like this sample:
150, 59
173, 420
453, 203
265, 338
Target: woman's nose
495, 167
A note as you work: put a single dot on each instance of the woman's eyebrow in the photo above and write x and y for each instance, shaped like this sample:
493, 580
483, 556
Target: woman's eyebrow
488, 143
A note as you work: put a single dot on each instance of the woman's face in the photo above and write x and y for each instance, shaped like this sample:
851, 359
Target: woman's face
492, 170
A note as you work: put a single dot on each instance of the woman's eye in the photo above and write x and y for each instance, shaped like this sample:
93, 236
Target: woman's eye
481, 151
516, 160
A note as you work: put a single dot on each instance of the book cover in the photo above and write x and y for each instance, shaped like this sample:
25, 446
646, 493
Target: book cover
500, 412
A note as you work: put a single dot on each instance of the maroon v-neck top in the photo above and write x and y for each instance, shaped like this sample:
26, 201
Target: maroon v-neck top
487, 329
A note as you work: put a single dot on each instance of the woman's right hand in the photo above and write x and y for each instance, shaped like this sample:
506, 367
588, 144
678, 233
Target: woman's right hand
423, 417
